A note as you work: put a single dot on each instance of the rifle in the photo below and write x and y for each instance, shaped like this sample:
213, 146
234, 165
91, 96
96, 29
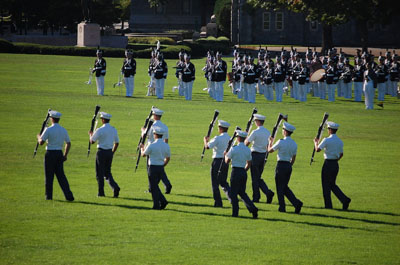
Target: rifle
230, 143
146, 122
210, 128
250, 122
321, 126
274, 130
96, 110
143, 139
41, 131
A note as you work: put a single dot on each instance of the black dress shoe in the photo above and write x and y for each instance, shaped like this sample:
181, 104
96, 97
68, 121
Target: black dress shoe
168, 190
163, 205
297, 209
270, 196
218, 205
101, 195
256, 201
71, 199
116, 192
255, 214
346, 205
282, 210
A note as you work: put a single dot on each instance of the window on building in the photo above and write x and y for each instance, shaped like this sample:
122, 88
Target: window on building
266, 20
186, 7
160, 9
279, 21
313, 25
370, 26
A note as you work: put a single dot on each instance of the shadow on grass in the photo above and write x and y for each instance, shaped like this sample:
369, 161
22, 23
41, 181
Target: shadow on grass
276, 220
112, 205
354, 211
351, 219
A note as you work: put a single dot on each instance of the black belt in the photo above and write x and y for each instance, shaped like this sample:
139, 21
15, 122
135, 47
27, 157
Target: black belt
281, 161
259, 152
105, 149
332, 160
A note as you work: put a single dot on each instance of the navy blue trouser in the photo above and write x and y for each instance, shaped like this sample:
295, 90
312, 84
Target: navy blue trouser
103, 170
219, 180
155, 174
238, 187
164, 177
330, 169
257, 168
282, 176
54, 164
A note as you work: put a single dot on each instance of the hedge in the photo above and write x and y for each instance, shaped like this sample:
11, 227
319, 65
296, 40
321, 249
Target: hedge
151, 40
6, 46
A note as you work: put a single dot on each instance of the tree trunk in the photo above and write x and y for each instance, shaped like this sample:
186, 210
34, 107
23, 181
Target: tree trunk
363, 30
327, 41
122, 27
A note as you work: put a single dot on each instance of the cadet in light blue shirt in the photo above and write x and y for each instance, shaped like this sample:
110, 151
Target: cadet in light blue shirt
333, 148
219, 169
240, 155
287, 149
159, 155
259, 140
55, 136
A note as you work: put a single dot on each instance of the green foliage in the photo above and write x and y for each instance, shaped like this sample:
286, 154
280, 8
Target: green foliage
222, 11
154, 3
6, 46
152, 40
106, 230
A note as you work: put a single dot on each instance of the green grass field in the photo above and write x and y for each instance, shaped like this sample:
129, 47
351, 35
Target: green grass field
95, 230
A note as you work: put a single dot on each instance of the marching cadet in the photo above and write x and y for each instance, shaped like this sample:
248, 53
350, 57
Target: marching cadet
333, 152
237, 76
358, 79
107, 145
179, 67
157, 113
381, 71
160, 74
370, 84
188, 77
261, 65
250, 80
259, 140
346, 77
322, 82
129, 70
287, 150
207, 69
159, 154
268, 80
100, 69
394, 72
220, 70
219, 144
279, 79
245, 88
54, 159
331, 79
240, 155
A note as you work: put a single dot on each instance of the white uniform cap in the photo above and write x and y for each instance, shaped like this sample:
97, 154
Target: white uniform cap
259, 117
332, 125
55, 114
241, 133
224, 124
288, 127
157, 112
158, 130
105, 115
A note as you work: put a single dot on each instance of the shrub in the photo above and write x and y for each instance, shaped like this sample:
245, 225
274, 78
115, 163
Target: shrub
151, 40
6, 46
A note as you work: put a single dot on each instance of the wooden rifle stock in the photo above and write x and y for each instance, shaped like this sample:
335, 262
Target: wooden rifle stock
41, 131
321, 126
274, 130
249, 123
146, 122
142, 142
230, 143
96, 111
210, 128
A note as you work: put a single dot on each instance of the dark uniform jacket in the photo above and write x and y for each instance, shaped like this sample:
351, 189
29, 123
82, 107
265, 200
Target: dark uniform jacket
347, 73
160, 70
303, 75
394, 72
179, 68
268, 76
331, 75
250, 74
100, 67
381, 71
358, 74
220, 70
188, 72
279, 73
129, 67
